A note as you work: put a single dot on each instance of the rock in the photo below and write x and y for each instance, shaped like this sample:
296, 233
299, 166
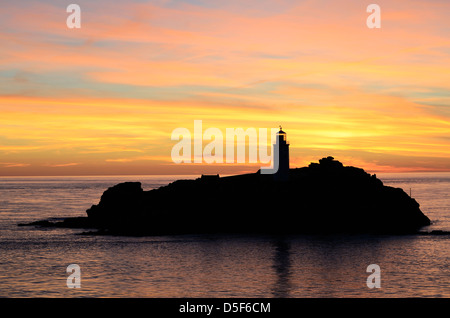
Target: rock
326, 197
43, 223
118, 205
73, 222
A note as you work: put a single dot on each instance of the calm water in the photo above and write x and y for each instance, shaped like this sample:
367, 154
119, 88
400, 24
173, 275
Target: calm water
33, 261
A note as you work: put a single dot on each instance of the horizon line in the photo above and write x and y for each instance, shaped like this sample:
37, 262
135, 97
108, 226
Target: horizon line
197, 174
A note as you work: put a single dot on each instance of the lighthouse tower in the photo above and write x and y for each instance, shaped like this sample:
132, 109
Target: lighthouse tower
282, 146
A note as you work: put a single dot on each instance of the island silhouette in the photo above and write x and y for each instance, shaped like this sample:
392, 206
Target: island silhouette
323, 198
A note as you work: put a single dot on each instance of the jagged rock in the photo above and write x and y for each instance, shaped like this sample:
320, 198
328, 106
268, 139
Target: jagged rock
118, 205
72, 222
325, 197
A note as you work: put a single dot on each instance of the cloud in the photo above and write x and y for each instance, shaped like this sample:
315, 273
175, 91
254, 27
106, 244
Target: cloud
62, 165
141, 158
137, 70
14, 165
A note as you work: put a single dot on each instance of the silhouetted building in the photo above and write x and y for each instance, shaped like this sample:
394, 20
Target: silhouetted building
210, 177
282, 146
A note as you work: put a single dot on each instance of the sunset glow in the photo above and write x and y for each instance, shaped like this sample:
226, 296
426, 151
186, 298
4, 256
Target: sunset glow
104, 99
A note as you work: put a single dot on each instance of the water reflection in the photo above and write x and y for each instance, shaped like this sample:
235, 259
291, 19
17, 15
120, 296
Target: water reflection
282, 267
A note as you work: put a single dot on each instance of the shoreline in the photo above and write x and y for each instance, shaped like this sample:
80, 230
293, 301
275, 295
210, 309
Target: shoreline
82, 223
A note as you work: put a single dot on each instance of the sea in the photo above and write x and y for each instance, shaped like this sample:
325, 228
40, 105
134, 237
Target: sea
34, 260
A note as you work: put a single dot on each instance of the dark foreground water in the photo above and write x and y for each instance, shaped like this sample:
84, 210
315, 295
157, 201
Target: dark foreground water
33, 261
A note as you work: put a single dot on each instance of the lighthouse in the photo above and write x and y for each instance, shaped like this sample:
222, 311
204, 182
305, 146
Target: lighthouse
282, 146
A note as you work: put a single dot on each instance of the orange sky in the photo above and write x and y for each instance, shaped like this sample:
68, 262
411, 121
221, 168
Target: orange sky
104, 99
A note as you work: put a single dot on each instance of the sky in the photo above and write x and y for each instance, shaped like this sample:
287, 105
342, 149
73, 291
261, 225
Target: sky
105, 98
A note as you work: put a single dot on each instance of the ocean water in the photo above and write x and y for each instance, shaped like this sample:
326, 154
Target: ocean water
33, 261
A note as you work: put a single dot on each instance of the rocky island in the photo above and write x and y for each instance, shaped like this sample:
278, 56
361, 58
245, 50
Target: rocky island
323, 198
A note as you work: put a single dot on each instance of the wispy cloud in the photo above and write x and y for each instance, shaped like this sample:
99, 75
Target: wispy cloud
111, 92
62, 165
13, 165
141, 158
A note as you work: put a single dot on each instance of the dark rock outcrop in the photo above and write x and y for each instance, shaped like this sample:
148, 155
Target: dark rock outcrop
325, 197
72, 222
